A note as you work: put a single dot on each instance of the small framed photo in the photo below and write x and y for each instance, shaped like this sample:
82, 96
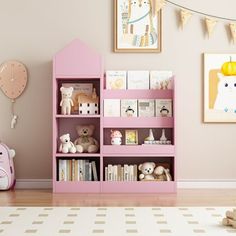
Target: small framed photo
131, 137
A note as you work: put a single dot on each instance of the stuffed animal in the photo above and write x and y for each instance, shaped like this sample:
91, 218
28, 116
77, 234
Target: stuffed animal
66, 145
66, 101
147, 169
162, 174
85, 142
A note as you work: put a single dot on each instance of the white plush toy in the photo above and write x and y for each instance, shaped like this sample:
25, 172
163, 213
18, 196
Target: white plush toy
66, 101
66, 145
147, 169
85, 142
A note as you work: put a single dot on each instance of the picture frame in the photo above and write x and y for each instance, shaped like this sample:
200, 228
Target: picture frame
131, 137
135, 30
219, 88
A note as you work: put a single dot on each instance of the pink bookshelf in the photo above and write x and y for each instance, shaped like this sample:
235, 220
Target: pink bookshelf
78, 63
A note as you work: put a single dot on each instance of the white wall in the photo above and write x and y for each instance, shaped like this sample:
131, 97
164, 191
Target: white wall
32, 31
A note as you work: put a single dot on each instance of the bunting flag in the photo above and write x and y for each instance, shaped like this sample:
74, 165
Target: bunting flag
210, 25
158, 5
185, 15
232, 27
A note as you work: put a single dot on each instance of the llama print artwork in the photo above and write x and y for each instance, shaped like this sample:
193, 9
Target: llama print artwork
220, 87
137, 25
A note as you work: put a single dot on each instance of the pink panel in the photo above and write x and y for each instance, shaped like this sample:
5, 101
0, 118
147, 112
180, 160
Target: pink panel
79, 60
138, 187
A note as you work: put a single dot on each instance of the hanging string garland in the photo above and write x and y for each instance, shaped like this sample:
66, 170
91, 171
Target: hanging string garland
210, 20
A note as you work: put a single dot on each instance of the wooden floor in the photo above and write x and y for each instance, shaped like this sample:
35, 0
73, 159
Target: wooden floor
188, 197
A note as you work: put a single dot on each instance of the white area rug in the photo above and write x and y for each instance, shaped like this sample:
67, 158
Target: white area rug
113, 221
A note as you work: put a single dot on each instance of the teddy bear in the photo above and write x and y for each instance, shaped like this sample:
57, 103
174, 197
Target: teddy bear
162, 174
85, 142
66, 145
66, 101
147, 169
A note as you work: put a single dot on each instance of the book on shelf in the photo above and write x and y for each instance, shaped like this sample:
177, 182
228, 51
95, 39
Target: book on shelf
121, 173
164, 107
138, 79
79, 88
115, 79
129, 107
111, 108
77, 170
146, 107
161, 79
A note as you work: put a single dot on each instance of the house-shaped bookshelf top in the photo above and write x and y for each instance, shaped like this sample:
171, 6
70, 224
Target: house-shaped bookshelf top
77, 60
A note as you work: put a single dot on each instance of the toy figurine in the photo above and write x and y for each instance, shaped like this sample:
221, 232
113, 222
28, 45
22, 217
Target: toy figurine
116, 137
66, 101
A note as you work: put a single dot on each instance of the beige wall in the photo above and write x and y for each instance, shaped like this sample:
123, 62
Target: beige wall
32, 31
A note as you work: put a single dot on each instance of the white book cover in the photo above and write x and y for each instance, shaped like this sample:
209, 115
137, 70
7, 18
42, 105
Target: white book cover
164, 107
115, 172
129, 107
161, 79
115, 79
79, 88
126, 172
62, 170
111, 107
138, 79
122, 174
131, 172
146, 108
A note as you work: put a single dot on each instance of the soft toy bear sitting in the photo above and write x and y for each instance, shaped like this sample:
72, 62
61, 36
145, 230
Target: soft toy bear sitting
66, 145
85, 142
162, 174
147, 169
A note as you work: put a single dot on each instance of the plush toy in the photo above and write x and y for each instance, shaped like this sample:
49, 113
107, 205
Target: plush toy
230, 219
147, 169
162, 174
66, 145
85, 142
116, 137
66, 101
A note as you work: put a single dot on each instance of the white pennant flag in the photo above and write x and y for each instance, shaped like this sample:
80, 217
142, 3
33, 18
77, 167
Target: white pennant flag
158, 5
210, 25
232, 27
184, 17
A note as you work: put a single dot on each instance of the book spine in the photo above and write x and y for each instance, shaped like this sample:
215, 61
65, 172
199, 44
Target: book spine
126, 173
62, 170
135, 172
95, 176
115, 173
86, 170
109, 172
73, 169
106, 173
122, 173
90, 171
119, 173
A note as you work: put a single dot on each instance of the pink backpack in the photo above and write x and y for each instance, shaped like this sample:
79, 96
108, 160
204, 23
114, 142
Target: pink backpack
7, 173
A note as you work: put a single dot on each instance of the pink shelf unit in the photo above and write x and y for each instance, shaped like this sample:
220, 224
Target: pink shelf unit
77, 63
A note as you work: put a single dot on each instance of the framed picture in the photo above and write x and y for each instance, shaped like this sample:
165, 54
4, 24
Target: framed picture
137, 26
131, 137
219, 87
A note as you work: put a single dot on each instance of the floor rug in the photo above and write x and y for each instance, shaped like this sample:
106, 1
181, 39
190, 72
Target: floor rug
113, 221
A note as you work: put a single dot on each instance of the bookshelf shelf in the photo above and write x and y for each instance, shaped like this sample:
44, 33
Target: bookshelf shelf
77, 63
138, 122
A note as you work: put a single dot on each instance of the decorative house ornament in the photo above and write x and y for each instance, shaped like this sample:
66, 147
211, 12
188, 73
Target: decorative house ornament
13, 81
184, 17
232, 27
88, 105
210, 25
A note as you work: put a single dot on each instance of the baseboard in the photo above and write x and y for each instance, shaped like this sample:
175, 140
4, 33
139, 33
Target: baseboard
181, 184
206, 183
33, 184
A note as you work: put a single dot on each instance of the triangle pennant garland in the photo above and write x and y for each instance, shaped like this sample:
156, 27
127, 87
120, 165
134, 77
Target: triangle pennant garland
185, 16
210, 25
232, 27
158, 5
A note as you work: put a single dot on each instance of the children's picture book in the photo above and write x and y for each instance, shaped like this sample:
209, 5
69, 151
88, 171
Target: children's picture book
129, 107
146, 108
79, 89
163, 107
161, 79
131, 137
111, 107
138, 79
115, 79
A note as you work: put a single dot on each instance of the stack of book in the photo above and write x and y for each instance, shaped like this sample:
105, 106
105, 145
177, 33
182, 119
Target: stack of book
77, 170
121, 173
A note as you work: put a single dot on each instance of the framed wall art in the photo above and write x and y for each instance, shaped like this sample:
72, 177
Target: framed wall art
137, 26
219, 87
